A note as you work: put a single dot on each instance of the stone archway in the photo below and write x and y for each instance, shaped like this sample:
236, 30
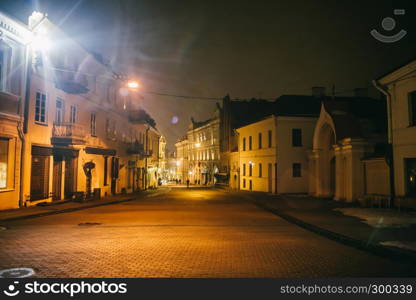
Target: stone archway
325, 161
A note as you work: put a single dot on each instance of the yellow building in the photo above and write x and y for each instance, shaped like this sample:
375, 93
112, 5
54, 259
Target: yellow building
400, 88
84, 132
13, 65
198, 152
272, 154
182, 159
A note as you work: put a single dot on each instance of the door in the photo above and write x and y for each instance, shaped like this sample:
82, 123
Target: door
114, 174
57, 178
270, 177
39, 177
70, 176
275, 178
410, 169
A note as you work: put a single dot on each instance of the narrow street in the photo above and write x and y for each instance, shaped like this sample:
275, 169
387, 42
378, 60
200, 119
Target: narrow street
181, 233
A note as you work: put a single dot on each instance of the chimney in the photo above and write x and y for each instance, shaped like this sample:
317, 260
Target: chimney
318, 91
35, 18
360, 92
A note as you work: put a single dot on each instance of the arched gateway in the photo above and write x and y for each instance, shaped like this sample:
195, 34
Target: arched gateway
335, 162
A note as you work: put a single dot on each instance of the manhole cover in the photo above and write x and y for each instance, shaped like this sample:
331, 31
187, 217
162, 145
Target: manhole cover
89, 224
17, 273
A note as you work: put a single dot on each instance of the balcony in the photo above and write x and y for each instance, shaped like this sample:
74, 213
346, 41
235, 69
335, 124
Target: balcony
68, 134
9, 103
135, 148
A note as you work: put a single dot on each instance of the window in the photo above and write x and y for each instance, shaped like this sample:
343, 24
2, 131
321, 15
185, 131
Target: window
296, 170
410, 176
250, 169
296, 137
59, 115
93, 125
244, 183
269, 133
260, 142
260, 170
412, 108
250, 143
40, 108
73, 114
4, 160
244, 169
105, 169
244, 144
5, 59
251, 185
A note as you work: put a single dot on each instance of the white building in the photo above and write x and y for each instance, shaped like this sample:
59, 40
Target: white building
400, 88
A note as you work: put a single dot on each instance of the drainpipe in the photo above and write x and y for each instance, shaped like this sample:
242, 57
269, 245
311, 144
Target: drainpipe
22, 125
145, 159
389, 138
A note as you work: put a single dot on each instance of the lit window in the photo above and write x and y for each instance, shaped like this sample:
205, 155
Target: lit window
59, 116
4, 155
40, 108
73, 114
93, 125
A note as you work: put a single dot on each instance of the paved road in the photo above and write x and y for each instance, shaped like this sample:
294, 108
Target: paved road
181, 233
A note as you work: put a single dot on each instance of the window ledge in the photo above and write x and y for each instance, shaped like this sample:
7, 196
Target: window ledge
6, 190
41, 123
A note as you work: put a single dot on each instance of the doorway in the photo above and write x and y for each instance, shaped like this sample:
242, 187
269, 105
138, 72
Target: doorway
57, 178
410, 169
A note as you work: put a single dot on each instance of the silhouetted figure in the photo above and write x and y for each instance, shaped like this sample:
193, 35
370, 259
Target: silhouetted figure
187, 183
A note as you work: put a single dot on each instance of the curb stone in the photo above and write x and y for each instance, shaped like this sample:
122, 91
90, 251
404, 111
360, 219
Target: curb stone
400, 255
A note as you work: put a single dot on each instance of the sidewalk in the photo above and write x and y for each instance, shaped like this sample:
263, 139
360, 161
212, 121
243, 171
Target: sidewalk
62, 207
325, 217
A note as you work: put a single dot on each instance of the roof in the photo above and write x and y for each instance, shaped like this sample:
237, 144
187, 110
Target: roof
357, 117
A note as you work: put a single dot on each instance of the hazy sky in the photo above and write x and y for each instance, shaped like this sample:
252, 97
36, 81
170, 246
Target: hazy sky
244, 48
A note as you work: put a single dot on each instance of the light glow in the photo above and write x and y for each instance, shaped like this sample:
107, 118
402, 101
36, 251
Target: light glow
133, 84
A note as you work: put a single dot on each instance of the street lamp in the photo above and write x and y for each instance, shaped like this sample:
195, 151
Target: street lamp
197, 145
133, 84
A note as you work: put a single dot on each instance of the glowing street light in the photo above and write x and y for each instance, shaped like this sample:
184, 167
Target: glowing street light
41, 43
197, 145
133, 84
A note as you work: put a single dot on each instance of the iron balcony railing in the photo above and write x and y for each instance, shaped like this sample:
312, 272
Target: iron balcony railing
68, 133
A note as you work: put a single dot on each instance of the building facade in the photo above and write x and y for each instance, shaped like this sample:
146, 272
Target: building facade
273, 154
348, 158
72, 128
399, 87
198, 152
14, 40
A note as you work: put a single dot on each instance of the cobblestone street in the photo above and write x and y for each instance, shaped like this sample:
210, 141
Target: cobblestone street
181, 233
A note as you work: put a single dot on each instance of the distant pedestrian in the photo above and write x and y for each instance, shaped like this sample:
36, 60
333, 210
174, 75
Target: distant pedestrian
187, 183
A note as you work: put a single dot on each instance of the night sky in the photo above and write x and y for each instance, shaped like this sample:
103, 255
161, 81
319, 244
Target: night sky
244, 48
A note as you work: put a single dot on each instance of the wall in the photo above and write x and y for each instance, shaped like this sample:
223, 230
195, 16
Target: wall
377, 179
264, 156
288, 154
